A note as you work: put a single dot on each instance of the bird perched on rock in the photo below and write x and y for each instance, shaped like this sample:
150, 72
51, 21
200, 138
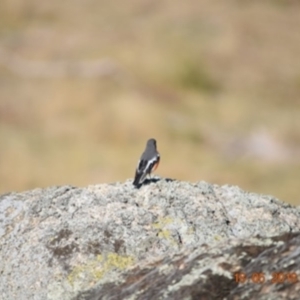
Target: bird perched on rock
148, 162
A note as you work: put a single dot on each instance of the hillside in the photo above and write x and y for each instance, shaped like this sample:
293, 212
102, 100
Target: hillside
83, 86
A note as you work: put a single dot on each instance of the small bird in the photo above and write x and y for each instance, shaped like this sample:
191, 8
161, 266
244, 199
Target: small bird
148, 162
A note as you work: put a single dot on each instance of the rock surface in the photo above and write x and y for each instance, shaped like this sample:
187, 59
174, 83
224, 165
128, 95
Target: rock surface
166, 240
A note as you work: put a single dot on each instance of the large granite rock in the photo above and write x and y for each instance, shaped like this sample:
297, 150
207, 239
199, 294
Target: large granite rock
166, 240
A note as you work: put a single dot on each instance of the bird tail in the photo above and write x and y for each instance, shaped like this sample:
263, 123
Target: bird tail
138, 179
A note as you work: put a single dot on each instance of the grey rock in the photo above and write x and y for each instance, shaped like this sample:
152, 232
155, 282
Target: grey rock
167, 240
270, 267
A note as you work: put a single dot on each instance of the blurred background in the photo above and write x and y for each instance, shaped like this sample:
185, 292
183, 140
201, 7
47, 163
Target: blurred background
84, 84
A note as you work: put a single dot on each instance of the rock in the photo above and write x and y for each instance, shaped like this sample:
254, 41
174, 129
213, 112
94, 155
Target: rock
166, 240
254, 269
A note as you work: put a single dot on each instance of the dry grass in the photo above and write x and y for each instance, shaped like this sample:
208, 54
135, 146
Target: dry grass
216, 83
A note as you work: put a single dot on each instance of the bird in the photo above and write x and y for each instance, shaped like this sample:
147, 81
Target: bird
148, 162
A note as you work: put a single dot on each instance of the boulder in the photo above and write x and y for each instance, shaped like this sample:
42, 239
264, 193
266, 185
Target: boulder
166, 240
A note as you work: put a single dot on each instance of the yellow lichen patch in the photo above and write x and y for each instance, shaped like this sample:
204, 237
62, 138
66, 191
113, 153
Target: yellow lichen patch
167, 235
117, 261
95, 269
217, 238
164, 234
190, 230
162, 222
